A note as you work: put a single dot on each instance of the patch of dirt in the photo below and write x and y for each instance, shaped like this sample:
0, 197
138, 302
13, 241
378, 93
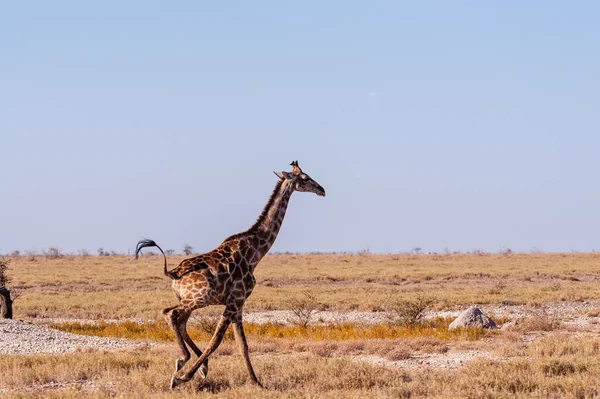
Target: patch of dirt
444, 361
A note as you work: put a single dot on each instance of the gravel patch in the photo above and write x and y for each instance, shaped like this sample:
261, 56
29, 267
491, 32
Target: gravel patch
319, 317
19, 337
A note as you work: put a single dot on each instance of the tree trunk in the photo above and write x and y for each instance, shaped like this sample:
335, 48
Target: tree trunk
5, 304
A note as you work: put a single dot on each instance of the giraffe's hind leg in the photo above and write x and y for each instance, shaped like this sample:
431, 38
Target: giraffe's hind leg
216, 339
172, 316
183, 331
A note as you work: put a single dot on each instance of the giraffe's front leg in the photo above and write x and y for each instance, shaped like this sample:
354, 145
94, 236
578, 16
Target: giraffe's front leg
240, 337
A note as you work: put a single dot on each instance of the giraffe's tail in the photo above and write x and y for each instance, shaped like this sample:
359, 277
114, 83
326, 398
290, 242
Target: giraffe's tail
151, 243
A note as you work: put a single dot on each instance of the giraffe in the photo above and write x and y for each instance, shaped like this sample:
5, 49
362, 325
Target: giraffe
225, 276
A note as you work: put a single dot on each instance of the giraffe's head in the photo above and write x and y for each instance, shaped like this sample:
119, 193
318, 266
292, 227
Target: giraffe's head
301, 181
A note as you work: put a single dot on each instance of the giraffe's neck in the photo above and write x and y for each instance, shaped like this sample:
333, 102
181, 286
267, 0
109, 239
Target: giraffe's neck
269, 222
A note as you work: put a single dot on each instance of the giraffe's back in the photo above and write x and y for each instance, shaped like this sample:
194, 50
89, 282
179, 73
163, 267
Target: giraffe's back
216, 276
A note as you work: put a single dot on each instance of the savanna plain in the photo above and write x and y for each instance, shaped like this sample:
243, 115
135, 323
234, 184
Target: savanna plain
322, 325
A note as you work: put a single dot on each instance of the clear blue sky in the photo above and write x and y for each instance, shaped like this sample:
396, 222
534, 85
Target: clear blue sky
466, 125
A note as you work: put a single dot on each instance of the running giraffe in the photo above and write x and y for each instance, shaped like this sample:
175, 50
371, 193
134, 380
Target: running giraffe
225, 276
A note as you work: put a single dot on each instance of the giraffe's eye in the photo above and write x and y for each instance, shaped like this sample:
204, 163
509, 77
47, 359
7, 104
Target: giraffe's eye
304, 177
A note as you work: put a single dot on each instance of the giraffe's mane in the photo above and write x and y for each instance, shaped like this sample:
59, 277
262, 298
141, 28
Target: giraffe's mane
263, 214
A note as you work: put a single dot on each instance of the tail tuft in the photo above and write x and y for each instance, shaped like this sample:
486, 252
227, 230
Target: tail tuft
143, 244
150, 243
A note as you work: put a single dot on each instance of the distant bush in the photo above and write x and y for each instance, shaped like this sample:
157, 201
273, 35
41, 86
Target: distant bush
84, 253
497, 288
188, 250
304, 307
53, 253
364, 252
102, 252
408, 311
31, 254
208, 324
539, 320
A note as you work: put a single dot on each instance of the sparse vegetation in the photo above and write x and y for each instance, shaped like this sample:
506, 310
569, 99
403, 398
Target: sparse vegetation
31, 255
53, 253
208, 324
343, 282
540, 320
498, 287
314, 358
363, 252
553, 367
158, 331
408, 312
84, 253
102, 252
188, 250
304, 306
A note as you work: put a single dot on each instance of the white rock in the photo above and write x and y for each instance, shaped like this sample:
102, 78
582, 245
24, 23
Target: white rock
472, 317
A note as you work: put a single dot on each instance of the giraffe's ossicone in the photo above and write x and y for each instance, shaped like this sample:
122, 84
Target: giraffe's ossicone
225, 276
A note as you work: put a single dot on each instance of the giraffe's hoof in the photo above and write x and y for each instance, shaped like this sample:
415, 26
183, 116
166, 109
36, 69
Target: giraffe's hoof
176, 381
179, 363
203, 370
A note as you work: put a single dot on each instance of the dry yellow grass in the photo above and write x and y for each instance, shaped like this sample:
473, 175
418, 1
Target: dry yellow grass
553, 367
120, 287
319, 361
158, 331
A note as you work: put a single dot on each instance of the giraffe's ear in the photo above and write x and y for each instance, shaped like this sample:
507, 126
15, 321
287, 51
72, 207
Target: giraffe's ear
283, 175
